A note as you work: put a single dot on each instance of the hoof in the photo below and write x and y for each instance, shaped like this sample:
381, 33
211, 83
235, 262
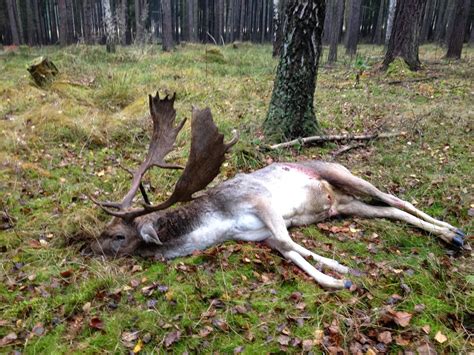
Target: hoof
347, 284
458, 241
460, 233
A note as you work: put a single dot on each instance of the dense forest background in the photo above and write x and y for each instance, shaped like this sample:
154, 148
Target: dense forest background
49, 22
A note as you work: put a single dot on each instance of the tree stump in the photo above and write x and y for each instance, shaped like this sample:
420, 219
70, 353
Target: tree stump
43, 71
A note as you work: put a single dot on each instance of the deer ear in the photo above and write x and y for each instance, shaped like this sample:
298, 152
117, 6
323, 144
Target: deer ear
148, 234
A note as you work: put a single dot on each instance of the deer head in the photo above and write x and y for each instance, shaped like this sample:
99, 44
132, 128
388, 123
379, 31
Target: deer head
131, 228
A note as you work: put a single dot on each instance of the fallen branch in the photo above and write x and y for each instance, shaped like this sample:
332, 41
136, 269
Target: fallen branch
346, 148
334, 138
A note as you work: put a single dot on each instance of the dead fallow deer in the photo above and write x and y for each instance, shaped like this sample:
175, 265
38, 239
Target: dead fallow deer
252, 207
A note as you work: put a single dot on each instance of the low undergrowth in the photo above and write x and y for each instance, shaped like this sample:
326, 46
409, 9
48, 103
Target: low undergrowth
60, 144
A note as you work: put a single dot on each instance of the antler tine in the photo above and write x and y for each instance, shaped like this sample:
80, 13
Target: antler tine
205, 159
163, 138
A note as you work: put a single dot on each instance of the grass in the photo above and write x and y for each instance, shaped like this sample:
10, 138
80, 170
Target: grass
59, 144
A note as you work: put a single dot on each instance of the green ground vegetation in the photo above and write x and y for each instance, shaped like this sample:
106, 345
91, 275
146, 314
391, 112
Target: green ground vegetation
62, 143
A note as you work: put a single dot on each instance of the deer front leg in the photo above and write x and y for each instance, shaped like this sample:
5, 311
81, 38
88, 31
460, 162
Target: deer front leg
361, 209
280, 240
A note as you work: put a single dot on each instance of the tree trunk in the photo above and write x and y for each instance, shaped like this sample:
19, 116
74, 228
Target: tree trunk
440, 24
456, 38
122, 21
291, 112
392, 4
167, 27
63, 39
13, 22
427, 21
404, 38
70, 21
337, 7
353, 28
328, 19
88, 23
109, 26
279, 24
378, 35
30, 24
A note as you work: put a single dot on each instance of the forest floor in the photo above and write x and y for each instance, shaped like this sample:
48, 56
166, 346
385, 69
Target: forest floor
59, 145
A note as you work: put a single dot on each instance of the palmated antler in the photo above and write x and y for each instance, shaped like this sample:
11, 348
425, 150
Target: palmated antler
206, 156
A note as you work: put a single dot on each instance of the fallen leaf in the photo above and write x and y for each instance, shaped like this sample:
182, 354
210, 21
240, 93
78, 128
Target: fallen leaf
400, 318
318, 336
221, 324
8, 339
96, 323
38, 329
87, 307
172, 338
67, 273
283, 339
308, 344
239, 349
205, 331
296, 296
426, 328
399, 340
130, 336
138, 347
440, 337
385, 337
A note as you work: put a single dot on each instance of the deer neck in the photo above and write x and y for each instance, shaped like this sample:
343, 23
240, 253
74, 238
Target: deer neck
183, 230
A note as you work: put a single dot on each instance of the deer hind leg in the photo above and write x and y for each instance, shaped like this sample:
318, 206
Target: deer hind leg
280, 240
361, 209
355, 185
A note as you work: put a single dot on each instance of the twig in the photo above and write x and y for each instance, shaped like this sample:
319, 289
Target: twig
346, 148
333, 138
395, 82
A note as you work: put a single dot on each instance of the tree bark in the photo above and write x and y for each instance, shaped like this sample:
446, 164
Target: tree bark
13, 22
378, 35
456, 38
291, 111
109, 27
337, 7
63, 38
122, 21
167, 27
328, 19
405, 32
427, 21
441, 23
30, 24
279, 25
353, 28
390, 17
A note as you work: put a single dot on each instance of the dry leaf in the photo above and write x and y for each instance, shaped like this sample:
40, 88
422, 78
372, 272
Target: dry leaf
440, 337
385, 337
130, 336
38, 329
283, 340
426, 328
172, 338
205, 331
138, 347
318, 336
96, 323
8, 339
402, 318
308, 344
